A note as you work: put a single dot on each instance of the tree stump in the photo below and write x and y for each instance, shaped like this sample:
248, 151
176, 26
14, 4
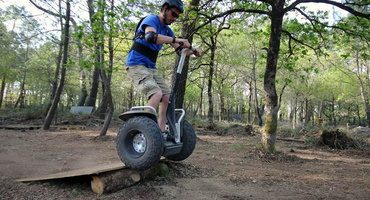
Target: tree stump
116, 180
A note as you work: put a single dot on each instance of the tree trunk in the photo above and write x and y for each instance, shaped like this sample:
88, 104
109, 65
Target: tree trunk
187, 32
320, 110
250, 100
199, 109
53, 108
307, 112
103, 106
84, 94
22, 94
95, 80
332, 113
257, 112
223, 112
114, 181
2, 90
117, 180
294, 113
271, 98
20, 99
209, 90
107, 80
358, 114
54, 82
365, 98
83, 83
257, 119
102, 109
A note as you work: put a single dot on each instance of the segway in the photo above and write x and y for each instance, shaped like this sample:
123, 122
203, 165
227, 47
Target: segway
141, 143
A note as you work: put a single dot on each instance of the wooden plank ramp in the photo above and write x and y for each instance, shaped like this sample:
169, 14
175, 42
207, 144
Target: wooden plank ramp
69, 127
106, 178
20, 127
35, 127
97, 169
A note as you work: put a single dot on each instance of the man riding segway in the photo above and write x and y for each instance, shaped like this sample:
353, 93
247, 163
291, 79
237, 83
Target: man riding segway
152, 33
139, 144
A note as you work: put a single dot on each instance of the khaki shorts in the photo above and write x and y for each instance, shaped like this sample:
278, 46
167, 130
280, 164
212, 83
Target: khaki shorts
149, 81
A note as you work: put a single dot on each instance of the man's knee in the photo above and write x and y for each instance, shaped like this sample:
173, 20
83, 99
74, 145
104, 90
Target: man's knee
157, 95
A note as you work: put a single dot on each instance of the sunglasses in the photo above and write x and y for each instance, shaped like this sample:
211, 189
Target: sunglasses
174, 14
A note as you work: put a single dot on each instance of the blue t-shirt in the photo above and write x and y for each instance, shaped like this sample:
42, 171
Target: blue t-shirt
134, 57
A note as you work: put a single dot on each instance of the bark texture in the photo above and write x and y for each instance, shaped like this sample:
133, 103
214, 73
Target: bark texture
120, 179
271, 97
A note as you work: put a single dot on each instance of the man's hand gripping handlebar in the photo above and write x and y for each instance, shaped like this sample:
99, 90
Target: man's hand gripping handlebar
194, 50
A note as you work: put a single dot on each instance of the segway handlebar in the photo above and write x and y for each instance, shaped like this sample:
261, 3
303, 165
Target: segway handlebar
182, 53
179, 49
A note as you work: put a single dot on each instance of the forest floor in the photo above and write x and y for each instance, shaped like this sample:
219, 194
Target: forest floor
226, 164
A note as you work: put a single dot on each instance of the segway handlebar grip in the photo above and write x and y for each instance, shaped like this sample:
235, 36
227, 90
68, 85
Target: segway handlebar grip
193, 49
179, 49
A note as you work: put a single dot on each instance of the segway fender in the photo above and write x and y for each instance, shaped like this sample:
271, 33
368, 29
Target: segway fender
133, 113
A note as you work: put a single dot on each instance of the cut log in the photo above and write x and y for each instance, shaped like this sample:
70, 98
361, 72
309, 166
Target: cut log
112, 181
116, 180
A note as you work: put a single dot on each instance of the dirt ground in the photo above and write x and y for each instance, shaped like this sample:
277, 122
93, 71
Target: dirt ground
225, 165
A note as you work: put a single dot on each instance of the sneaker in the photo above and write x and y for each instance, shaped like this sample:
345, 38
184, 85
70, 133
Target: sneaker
171, 138
168, 137
165, 133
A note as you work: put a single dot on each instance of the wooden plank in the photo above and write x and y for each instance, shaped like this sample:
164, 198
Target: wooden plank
69, 127
20, 127
291, 140
34, 127
97, 169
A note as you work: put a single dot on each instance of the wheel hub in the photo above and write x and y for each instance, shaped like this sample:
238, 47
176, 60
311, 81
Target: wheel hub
139, 143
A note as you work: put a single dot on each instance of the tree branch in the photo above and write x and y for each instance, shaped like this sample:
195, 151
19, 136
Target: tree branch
52, 13
226, 13
298, 41
347, 31
334, 3
311, 22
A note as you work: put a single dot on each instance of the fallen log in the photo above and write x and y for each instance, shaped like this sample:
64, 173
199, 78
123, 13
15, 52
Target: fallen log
291, 140
116, 180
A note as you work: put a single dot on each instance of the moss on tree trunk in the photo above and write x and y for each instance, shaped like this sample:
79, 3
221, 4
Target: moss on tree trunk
269, 134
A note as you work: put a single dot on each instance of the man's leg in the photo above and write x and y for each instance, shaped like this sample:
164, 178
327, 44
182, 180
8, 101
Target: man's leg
155, 99
152, 84
162, 112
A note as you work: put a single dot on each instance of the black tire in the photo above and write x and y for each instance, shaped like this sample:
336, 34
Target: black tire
140, 143
188, 140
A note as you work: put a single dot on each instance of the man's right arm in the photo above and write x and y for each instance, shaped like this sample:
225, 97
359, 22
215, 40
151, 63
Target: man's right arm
151, 36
